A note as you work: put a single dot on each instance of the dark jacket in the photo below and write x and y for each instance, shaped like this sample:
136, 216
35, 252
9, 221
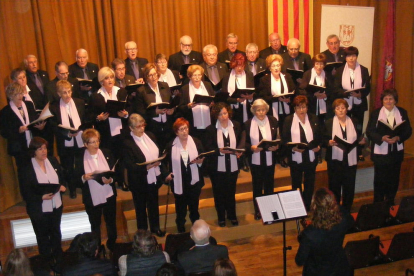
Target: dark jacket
268, 51
224, 55
144, 266
89, 266
176, 60
141, 63
51, 92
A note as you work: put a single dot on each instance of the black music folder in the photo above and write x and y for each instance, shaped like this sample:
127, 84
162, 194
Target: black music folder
112, 107
384, 128
296, 74
242, 91
47, 188
266, 144
203, 99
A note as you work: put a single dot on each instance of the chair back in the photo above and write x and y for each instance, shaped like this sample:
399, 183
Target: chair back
402, 247
362, 253
406, 210
173, 243
372, 216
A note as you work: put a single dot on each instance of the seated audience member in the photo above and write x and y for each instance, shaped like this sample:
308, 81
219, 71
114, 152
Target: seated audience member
88, 263
231, 43
254, 63
224, 267
275, 48
320, 250
133, 63
82, 69
185, 56
202, 256
17, 264
167, 269
145, 259
62, 73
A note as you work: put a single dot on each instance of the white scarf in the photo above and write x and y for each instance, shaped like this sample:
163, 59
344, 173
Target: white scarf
45, 178
161, 117
295, 133
254, 138
115, 124
169, 78
99, 193
27, 97
346, 83
201, 112
75, 119
25, 122
151, 152
176, 163
383, 148
351, 136
276, 90
241, 84
320, 103
221, 164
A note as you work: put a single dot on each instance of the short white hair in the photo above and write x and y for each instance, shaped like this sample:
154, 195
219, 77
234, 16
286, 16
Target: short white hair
126, 44
27, 57
209, 46
80, 50
252, 45
200, 232
291, 40
231, 35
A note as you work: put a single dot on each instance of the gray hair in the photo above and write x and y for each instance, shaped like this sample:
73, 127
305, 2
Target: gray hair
27, 57
257, 103
252, 45
200, 232
209, 46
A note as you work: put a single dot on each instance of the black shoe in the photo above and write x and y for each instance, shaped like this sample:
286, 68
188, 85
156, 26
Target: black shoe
159, 233
234, 222
361, 158
222, 223
283, 164
257, 216
73, 194
181, 229
124, 187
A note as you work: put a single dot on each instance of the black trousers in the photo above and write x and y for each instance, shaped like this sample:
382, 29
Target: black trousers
188, 199
358, 113
224, 190
342, 177
47, 229
305, 170
386, 181
263, 178
146, 200
108, 210
67, 160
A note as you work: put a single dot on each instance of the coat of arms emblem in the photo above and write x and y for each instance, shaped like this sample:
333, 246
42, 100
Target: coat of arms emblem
346, 34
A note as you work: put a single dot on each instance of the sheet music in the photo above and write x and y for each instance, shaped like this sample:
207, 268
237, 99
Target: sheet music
269, 204
292, 204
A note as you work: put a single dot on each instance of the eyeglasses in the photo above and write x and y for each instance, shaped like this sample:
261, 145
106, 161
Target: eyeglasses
182, 129
94, 142
120, 69
161, 62
152, 75
131, 50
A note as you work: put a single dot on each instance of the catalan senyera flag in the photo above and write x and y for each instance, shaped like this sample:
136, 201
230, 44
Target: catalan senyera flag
292, 18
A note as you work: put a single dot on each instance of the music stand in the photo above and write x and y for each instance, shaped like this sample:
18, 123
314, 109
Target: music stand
282, 207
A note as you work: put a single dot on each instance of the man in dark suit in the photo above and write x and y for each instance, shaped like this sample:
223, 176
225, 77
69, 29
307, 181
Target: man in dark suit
334, 53
82, 69
294, 59
231, 43
214, 70
62, 73
202, 256
133, 63
254, 63
185, 56
275, 47
35, 77
121, 78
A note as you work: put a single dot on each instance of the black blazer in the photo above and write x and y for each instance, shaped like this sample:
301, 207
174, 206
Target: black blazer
9, 129
79, 171
51, 92
185, 100
210, 143
39, 99
28, 186
327, 135
44, 76
338, 91
320, 251
260, 65
132, 154
221, 68
146, 96
268, 51
304, 61
287, 135
176, 60
61, 134
331, 57
274, 126
98, 105
376, 138
127, 80
313, 100
141, 64
265, 90
75, 71
224, 55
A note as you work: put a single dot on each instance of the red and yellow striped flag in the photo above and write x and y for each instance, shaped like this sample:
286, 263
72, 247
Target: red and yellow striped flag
292, 18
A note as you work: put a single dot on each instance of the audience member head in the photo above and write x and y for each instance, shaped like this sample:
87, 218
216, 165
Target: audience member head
13, 90
333, 43
18, 75
224, 267
64, 90
82, 58
35, 144
252, 52
131, 50
62, 70
186, 45
231, 42
167, 269
293, 47
210, 54
88, 245
30, 62
73, 247
144, 244
274, 41
324, 210
200, 232
118, 65
218, 107
17, 264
